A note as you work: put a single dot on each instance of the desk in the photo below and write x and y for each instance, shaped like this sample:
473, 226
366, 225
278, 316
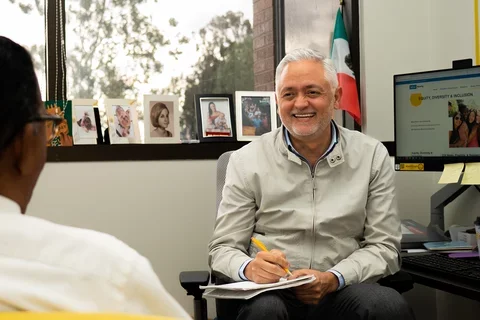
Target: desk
449, 285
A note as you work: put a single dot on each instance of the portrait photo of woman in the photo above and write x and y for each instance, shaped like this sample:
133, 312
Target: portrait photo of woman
216, 115
160, 120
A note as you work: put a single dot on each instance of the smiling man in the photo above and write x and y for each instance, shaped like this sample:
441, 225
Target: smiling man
322, 197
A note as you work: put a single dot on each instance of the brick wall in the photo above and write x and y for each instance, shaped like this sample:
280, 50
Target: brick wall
263, 45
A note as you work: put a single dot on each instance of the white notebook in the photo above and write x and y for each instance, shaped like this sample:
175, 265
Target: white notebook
249, 289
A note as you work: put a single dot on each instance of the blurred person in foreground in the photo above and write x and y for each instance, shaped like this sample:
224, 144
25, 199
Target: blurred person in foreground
45, 266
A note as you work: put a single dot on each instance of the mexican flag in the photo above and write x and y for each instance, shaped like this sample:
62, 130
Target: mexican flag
343, 63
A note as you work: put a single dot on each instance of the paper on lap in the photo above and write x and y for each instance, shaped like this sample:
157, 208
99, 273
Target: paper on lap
249, 289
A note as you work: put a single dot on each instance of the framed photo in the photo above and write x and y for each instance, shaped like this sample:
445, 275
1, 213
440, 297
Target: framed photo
215, 117
122, 121
83, 121
161, 119
61, 108
256, 113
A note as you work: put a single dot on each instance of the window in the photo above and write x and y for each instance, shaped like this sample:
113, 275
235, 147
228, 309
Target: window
128, 48
23, 22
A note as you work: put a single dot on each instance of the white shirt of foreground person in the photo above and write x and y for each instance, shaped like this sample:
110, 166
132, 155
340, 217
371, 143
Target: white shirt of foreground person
47, 267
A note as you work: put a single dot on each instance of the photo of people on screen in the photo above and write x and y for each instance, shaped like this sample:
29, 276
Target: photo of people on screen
85, 122
256, 116
465, 124
160, 115
123, 121
216, 117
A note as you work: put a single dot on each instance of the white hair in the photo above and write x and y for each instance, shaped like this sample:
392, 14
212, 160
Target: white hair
308, 54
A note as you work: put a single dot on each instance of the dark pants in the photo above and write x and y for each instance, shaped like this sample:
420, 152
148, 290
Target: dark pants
356, 302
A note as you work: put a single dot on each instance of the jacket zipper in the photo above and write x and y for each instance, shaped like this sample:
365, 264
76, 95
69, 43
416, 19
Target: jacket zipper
312, 172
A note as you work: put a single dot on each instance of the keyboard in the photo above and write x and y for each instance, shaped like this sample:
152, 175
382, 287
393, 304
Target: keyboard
466, 270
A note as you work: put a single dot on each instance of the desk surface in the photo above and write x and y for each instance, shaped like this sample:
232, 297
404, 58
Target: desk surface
441, 283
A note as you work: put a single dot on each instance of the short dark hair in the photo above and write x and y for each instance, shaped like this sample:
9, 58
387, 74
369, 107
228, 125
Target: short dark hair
155, 112
18, 90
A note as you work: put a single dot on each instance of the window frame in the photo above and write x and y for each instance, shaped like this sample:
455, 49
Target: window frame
148, 152
130, 152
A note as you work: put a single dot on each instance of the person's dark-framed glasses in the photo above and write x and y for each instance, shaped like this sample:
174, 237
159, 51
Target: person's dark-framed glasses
51, 122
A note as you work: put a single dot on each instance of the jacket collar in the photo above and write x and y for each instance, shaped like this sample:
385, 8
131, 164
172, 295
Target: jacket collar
334, 155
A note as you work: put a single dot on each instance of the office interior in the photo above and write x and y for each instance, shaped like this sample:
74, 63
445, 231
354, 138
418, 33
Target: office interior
166, 209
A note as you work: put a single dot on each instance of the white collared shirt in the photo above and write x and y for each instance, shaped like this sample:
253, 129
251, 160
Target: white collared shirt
50, 267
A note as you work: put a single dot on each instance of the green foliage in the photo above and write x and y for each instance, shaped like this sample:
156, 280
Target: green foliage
225, 65
37, 51
38, 56
173, 22
108, 37
27, 7
120, 35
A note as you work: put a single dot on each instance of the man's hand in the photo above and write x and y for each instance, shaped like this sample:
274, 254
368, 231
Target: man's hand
313, 292
267, 267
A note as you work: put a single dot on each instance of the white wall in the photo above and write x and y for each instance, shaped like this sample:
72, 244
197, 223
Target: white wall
163, 209
409, 36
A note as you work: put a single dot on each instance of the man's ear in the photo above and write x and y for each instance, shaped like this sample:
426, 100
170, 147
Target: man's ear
337, 96
26, 149
276, 101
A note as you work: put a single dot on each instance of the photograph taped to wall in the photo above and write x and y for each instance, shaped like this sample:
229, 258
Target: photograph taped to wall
255, 113
122, 121
161, 119
83, 121
215, 117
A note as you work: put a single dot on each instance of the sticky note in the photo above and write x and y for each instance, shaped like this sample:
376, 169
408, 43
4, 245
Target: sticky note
451, 173
472, 173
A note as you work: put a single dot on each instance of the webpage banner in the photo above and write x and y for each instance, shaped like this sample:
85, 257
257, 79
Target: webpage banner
438, 116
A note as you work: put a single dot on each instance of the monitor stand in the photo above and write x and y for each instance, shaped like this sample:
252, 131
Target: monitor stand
442, 198
435, 231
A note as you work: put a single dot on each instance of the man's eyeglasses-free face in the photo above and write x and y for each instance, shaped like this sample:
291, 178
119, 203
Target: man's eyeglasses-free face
51, 123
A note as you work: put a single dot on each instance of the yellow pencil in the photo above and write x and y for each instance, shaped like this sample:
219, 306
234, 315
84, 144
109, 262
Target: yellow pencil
262, 247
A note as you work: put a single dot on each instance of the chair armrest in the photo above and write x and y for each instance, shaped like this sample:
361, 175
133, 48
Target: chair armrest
401, 281
191, 280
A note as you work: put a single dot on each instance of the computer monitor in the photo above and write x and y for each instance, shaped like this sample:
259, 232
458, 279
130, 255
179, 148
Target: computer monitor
436, 116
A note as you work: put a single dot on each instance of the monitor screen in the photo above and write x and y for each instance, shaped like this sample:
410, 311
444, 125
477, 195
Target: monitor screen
437, 118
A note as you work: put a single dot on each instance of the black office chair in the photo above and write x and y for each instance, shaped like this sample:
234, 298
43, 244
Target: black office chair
191, 280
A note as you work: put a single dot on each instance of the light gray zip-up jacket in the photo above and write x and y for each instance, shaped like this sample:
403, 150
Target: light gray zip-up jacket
341, 215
